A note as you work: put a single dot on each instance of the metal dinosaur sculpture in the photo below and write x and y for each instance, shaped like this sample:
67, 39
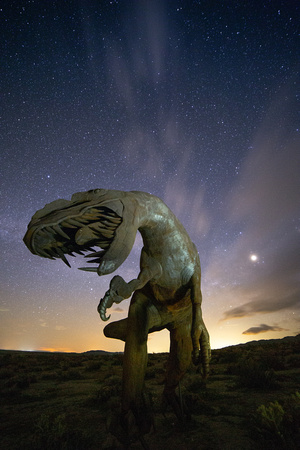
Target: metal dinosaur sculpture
166, 293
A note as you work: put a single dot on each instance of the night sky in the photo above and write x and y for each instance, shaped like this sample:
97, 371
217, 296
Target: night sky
193, 101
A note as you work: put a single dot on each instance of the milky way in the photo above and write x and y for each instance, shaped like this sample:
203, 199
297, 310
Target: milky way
193, 101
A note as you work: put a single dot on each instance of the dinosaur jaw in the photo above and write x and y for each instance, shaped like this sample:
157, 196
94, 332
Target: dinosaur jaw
76, 233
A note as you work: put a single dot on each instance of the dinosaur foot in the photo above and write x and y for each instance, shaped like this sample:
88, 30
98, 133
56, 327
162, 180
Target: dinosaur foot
177, 404
129, 427
136, 426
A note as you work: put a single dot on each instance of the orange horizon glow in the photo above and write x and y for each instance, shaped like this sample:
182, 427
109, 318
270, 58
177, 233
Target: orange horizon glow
157, 343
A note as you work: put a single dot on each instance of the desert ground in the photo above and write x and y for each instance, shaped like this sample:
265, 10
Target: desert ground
71, 401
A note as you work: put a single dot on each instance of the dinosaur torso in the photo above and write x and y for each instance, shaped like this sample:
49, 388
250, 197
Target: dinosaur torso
167, 242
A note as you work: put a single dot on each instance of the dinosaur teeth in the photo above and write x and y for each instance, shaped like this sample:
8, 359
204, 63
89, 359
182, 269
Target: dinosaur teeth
103, 230
95, 261
45, 231
100, 213
44, 253
62, 256
103, 244
75, 222
52, 253
89, 249
66, 224
115, 220
95, 254
79, 252
59, 231
92, 217
109, 225
88, 269
82, 220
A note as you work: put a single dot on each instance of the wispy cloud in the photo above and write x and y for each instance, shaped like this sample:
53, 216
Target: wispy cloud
264, 206
263, 305
118, 310
187, 203
60, 328
263, 328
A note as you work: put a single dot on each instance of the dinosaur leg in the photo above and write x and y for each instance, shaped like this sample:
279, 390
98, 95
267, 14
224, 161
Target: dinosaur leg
136, 417
179, 360
134, 404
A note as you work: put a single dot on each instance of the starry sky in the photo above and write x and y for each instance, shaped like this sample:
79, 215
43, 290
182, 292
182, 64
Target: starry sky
193, 101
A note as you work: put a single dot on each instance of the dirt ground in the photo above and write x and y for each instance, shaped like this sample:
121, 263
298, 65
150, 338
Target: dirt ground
71, 401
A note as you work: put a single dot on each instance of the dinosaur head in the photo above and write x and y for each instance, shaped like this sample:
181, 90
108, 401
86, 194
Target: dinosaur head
89, 219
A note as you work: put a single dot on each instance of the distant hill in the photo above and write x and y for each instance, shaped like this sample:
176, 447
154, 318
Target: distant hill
287, 339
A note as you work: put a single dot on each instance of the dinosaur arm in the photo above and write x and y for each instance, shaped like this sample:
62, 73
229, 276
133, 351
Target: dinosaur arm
120, 290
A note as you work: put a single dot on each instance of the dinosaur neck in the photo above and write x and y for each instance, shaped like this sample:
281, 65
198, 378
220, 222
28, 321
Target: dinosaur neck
155, 218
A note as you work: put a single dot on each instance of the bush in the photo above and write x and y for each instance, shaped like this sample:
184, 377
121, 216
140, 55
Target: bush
58, 433
280, 424
71, 374
293, 361
93, 366
253, 374
6, 373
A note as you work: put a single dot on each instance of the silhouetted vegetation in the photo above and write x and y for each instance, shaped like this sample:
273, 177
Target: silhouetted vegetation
69, 401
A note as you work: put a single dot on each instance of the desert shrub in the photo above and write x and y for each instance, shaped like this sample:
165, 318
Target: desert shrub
104, 395
5, 359
154, 371
116, 360
293, 361
271, 418
195, 383
10, 392
272, 359
111, 388
49, 431
50, 375
229, 355
6, 373
194, 403
64, 365
253, 374
94, 365
113, 380
58, 433
71, 374
293, 413
21, 381
280, 424
109, 391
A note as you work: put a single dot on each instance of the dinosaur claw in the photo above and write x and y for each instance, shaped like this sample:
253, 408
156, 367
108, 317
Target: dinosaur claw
104, 318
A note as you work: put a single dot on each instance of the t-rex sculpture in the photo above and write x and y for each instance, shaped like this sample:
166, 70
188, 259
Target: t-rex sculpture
166, 293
